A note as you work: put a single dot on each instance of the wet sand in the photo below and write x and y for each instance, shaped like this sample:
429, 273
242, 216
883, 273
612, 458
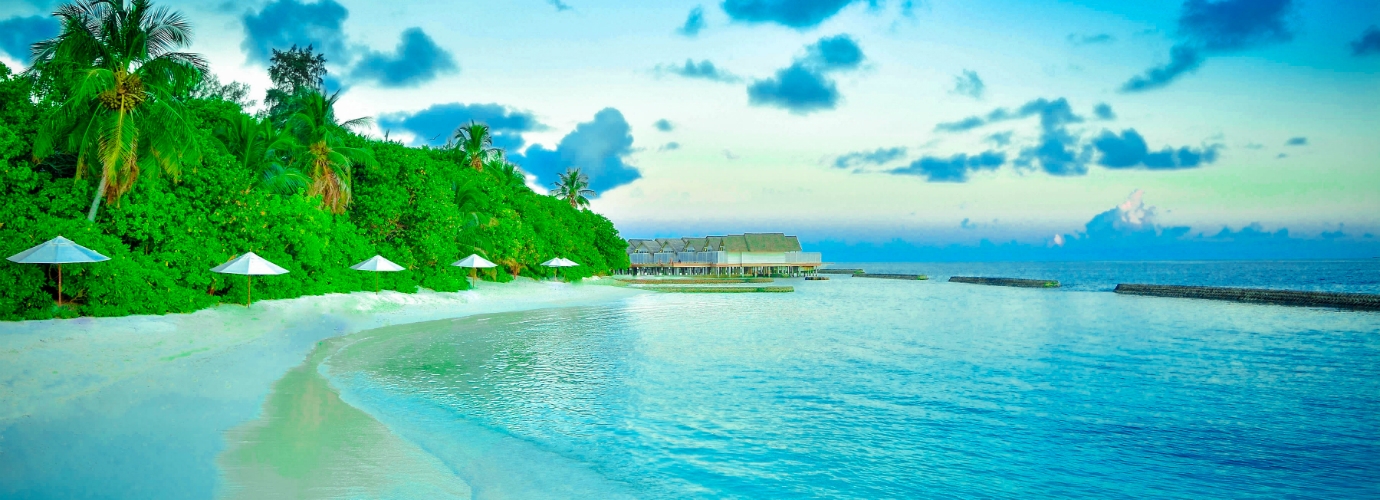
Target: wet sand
145, 406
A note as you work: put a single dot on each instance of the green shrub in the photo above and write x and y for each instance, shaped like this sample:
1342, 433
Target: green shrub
418, 208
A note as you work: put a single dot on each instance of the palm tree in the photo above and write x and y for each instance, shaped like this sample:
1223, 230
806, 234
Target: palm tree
469, 199
508, 175
475, 145
120, 112
261, 148
318, 148
572, 186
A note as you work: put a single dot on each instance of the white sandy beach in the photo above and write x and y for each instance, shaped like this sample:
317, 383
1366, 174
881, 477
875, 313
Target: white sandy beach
139, 406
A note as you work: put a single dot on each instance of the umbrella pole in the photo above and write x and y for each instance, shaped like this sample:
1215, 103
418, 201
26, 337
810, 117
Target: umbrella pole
376, 282
59, 284
249, 295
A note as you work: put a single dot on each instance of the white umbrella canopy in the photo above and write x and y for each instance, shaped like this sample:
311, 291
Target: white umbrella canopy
249, 265
474, 260
58, 251
559, 262
377, 264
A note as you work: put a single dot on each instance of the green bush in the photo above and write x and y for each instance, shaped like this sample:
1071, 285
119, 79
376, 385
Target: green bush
418, 208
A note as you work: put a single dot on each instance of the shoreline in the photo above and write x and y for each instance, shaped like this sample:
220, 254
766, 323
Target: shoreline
330, 431
141, 404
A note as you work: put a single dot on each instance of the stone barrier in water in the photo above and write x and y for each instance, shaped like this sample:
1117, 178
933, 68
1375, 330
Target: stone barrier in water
892, 276
719, 289
696, 281
840, 271
1361, 301
1023, 283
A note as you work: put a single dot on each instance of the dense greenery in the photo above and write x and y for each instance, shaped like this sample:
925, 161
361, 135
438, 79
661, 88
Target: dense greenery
573, 186
298, 189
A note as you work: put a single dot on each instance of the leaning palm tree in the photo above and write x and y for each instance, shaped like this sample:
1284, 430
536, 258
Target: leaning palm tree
475, 145
120, 112
572, 186
262, 148
318, 148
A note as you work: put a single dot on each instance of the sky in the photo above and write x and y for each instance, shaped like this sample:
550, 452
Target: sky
880, 129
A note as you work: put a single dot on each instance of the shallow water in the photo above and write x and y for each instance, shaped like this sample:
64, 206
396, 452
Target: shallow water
1357, 276
859, 388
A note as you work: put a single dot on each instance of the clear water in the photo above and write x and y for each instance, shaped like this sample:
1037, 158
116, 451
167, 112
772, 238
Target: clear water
862, 388
1361, 276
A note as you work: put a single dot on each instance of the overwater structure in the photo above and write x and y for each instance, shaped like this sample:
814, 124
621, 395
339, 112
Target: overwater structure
750, 253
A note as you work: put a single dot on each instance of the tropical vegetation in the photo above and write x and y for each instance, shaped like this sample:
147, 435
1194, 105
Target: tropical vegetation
573, 187
112, 102
122, 68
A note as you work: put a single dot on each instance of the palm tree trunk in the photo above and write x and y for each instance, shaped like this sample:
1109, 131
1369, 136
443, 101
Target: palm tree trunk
96, 202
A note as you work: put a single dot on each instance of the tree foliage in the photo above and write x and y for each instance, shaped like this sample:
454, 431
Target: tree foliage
123, 72
573, 186
260, 186
474, 145
293, 71
319, 149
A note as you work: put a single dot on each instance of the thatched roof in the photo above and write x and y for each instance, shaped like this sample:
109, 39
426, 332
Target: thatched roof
771, 242
749, 242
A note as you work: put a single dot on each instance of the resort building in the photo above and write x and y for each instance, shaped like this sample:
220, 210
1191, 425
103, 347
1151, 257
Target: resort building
751, 253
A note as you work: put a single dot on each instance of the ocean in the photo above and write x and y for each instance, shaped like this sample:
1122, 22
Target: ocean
871, 388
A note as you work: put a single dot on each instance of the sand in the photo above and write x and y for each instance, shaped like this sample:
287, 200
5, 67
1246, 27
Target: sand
141, 406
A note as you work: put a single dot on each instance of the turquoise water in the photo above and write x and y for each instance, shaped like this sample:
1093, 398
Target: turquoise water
863, 388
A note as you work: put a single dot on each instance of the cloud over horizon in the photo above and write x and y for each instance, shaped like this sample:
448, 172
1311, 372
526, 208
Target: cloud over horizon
599, 148
1367, 44
18, 33
704, 70
1129, 150
1083, 39
694, 23
435, 124
417, 60
968, 83
1217, 27
804, 87
1129, 231
796, 14
1103, 111
955, 168
1058, 150
284, 23
880, 156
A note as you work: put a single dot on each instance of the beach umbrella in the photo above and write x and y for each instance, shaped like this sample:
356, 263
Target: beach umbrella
474, 261
559, 262
249, 265
58, 251
377, 264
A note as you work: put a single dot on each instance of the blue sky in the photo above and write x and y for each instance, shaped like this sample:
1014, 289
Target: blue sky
1095, 129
